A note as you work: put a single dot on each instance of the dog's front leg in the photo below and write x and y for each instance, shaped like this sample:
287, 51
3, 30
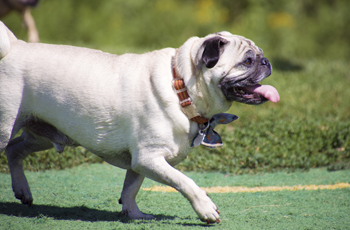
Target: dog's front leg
155, 167
132, 184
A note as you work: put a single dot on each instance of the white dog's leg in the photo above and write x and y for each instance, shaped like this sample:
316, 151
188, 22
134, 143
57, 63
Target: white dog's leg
131, 187
18, 149
158, 169
5, 132
28, 20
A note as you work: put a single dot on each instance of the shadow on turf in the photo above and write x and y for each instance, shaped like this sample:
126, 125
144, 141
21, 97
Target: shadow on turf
81, 213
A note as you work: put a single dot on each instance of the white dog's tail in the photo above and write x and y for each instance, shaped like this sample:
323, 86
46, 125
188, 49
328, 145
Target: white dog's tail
6, 37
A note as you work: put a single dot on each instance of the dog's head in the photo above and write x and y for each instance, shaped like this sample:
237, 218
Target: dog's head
237, 65
234, 65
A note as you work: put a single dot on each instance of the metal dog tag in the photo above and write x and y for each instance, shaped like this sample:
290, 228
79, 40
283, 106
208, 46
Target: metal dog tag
199, 138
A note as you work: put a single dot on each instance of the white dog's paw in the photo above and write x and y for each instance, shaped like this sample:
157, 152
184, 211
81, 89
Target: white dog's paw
206, 209
137, 214
131, 210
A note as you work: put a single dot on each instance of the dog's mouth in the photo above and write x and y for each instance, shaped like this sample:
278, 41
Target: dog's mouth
251, 94
248, 90
255, 94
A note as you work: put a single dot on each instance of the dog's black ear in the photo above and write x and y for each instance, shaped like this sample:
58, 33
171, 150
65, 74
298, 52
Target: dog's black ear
213, 48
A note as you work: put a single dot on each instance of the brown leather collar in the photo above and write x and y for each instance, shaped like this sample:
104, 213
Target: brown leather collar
185, 100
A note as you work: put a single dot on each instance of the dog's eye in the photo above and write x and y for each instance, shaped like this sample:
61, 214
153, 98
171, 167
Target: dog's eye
248, 62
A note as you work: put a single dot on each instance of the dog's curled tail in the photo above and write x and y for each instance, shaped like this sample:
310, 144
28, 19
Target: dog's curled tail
6, 37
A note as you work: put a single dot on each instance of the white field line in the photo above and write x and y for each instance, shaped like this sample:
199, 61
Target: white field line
227, 189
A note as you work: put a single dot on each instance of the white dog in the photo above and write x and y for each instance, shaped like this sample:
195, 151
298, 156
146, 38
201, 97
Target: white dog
139, 112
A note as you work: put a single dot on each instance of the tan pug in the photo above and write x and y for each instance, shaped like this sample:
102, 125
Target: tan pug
125, 109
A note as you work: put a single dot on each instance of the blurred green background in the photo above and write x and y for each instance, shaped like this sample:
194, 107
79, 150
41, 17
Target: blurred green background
307, 42
283, 28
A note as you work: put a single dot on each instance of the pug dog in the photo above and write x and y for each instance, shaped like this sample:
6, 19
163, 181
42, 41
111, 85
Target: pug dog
125, 109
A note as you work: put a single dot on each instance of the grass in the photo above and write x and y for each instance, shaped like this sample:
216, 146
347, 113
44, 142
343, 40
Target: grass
86, 197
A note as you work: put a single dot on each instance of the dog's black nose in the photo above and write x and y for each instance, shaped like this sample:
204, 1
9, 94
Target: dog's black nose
264, 61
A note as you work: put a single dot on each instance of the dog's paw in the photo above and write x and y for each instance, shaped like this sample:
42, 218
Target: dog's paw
131, 210
23, 194
137, 215
206, 210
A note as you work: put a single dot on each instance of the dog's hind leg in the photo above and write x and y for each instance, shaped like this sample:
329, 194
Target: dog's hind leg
131, 187
18, 149
5, 133
7, 121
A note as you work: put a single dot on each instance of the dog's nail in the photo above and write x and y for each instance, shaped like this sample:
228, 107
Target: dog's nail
218, 211
208, 221
218, 221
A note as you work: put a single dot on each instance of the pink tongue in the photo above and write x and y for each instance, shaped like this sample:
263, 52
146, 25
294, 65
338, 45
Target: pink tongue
266, 91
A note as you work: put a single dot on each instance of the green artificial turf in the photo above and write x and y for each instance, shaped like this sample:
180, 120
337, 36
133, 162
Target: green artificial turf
86, 197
